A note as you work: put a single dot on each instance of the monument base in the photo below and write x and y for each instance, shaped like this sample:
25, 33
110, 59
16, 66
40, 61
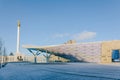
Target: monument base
19, 57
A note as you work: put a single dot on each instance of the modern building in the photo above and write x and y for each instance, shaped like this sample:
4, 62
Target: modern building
98, 52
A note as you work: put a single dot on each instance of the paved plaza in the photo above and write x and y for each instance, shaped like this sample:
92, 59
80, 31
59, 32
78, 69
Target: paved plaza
60, 71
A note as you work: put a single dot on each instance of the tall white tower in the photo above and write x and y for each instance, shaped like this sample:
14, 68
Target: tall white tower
18, 56
18, 38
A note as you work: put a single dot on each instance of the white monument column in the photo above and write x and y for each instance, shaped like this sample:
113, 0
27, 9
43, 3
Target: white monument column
18, 56
18, 38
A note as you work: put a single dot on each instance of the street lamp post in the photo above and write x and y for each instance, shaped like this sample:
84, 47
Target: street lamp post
1, 59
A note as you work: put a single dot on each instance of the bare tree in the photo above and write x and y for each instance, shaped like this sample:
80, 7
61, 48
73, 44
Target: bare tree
11, 54
2, 53
1, 57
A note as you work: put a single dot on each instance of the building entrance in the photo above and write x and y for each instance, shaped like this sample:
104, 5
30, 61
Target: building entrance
115, 55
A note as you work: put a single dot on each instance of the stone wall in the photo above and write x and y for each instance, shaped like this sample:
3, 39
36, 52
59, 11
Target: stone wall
107, 47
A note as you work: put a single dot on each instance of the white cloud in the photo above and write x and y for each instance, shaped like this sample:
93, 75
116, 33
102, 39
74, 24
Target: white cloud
61, 35
78, 36
84, 35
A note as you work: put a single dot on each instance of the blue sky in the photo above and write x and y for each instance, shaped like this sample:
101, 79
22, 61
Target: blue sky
49, 22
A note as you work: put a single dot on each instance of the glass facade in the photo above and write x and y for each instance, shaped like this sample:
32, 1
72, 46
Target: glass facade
115, 55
